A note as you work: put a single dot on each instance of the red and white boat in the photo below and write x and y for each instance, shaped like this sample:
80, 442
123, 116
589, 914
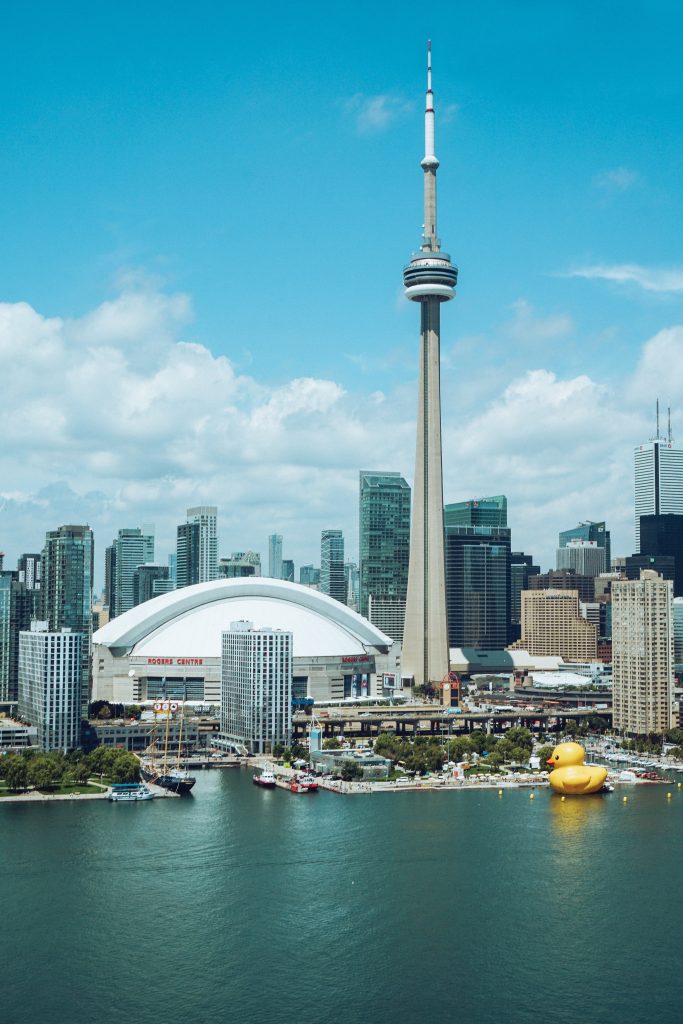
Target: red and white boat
306, 782
266, 778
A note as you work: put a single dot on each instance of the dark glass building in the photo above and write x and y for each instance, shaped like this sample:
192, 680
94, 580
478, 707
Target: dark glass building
521, 570
665, 565
663, 535
564, 579
66, 590
478, 512
384, 539
477, 586
187, 554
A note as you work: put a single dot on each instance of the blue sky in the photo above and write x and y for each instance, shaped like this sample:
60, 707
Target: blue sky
205, 215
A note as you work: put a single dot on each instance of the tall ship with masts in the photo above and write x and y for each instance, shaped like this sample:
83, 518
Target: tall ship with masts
160, 770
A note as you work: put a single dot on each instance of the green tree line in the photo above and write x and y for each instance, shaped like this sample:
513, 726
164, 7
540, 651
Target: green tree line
428, 753
48, 771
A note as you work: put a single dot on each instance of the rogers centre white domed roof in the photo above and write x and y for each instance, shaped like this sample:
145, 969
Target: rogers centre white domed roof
188, 622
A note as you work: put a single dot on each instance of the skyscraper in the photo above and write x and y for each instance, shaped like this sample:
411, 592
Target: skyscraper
658, 478
384, 543
642, 654
589, 531
18, 606
478, 512
663, 535
50, 679
66, 590
332, 577
429, 279
187, 555
521, 571
256, 686
288, 570
149, 581
583, 556
275, 556
478, 586
133, 547
206, 517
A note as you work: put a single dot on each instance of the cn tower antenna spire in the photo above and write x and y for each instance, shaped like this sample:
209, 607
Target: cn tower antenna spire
429, 165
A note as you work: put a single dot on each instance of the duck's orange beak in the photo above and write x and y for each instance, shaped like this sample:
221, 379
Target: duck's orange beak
550, 761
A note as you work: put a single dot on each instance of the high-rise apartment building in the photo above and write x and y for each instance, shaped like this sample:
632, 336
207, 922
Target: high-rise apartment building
206, 518
589, 530
429, 279
29, 570
66, 590
658, 480
553, 625
663, 535
583, 556
332, 577
384, 547
275, 556
133, 547
50, 678
18, 606
187, 555
256, 686
642, 654
149, 581
288, 570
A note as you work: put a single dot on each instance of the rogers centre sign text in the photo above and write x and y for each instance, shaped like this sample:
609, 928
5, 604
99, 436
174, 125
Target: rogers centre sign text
175, 661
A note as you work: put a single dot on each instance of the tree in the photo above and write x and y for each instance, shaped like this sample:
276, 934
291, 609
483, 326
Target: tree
278, 749
350, 771
520, 737
41, 772
125, 767
14, 770
331, 743
544, 753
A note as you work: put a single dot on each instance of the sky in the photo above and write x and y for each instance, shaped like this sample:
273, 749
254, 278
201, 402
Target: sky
205, 211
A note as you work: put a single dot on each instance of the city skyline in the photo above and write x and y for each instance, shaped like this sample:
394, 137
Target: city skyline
139, 387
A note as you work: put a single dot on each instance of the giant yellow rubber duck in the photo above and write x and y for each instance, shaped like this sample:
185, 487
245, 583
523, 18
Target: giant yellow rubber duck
571, 775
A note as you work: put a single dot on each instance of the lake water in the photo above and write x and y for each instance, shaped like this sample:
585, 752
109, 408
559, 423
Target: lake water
239, 904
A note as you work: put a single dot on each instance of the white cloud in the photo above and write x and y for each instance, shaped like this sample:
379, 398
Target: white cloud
618, 179
651, 279
374, 114
526, 326
114, 420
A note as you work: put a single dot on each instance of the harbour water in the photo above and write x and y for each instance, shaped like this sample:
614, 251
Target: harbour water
240, 904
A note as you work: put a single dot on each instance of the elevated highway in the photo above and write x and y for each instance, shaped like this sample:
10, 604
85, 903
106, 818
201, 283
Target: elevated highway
433, 720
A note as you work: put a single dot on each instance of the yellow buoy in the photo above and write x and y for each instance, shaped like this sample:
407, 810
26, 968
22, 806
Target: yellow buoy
668, 796
625, 799
563, 798
680, 784
500, 792
531, 796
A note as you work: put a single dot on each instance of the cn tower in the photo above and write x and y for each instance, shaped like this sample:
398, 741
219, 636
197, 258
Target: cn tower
429, 279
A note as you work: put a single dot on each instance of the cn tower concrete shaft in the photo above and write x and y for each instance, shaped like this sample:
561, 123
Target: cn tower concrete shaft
429, 279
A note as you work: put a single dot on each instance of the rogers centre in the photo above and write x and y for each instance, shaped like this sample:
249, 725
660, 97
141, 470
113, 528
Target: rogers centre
172, 644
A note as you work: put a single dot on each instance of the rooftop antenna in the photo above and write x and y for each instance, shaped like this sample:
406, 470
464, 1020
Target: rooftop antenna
669, 411
657, 434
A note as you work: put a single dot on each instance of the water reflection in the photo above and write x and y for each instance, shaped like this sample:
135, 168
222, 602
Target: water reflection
573, 814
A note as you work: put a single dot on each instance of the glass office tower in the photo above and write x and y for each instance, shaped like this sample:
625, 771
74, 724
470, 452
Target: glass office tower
384, 539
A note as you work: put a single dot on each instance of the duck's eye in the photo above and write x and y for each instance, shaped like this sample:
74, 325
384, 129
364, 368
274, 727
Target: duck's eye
557, 757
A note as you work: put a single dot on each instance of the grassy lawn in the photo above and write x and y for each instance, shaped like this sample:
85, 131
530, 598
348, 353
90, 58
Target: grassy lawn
63, 789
